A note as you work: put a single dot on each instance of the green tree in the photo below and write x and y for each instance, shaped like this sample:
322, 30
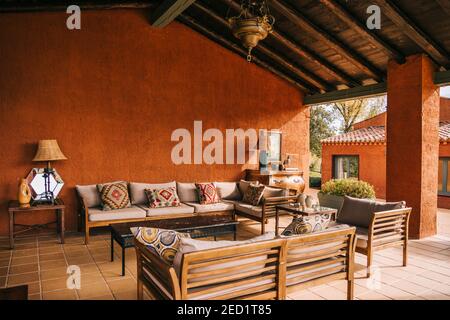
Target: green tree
351, 112
321, 127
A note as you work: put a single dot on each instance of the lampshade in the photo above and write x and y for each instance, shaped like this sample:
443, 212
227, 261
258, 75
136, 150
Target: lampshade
48, 150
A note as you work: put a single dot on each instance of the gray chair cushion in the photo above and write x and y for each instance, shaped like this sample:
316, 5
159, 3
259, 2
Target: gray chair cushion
228, 190
181, 209
274, 193
137, 193
187, 192
133, 212
248, 209
359, 212
90, 195
220, 206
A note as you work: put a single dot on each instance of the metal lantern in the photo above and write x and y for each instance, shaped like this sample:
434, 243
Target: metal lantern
253, 24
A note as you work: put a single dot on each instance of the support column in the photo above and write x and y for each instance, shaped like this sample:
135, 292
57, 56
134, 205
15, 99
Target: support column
413, 141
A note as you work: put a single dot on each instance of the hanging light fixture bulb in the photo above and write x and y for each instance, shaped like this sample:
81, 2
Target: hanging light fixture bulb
253, 24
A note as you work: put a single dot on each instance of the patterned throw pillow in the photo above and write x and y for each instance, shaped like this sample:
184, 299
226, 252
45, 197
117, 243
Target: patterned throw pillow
165, 197
307, 224
207, 193
164, 243
253, 194
114, 195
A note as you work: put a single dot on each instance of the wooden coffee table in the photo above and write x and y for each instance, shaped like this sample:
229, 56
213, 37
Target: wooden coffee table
298, 211
197, 227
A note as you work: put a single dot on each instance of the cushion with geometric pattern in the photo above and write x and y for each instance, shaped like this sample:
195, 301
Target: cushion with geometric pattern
114, 195
308, 224
164, 197
164, 243
207, 193
254, 194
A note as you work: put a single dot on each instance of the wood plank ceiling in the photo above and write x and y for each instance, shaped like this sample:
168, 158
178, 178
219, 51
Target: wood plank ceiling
318, 45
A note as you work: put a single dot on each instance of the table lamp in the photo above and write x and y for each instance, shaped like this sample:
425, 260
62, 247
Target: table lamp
48, 151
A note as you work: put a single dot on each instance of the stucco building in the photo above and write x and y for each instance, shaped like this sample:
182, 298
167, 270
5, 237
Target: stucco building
361, 153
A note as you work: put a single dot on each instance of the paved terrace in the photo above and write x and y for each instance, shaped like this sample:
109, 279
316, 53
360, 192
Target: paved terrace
40, 261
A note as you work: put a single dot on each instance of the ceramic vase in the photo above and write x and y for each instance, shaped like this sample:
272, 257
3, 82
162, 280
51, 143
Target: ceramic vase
309, 201
24, 194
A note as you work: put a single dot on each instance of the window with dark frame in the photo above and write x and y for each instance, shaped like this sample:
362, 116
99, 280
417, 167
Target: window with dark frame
345, 167
444, 177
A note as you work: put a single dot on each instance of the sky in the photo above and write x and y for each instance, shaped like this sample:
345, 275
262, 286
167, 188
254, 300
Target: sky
445, 92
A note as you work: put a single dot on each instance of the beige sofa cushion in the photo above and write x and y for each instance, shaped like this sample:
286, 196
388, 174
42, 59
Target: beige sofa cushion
228, 190
274, 193
187, 192
137, 190
248, 209
133, 212
90, 195
192, 245
181, 209
202, 208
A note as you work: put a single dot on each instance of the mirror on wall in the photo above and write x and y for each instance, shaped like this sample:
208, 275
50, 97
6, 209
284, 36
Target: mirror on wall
36, 181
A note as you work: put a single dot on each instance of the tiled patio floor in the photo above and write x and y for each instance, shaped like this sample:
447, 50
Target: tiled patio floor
41, 262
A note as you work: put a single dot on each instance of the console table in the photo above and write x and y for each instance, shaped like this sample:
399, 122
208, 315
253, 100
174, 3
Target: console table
292, 180
14, 208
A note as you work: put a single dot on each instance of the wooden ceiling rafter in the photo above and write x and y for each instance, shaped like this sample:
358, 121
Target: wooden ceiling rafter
306, 75
306, 53
414, 32
194, 24
168, 11
353, 22
299, 19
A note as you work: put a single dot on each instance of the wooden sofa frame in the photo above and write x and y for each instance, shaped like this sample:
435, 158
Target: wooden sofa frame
268, 209
280, 257
84, 215
387, 229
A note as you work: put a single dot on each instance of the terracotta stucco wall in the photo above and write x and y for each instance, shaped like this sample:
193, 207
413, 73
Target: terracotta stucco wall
445, 109
444, 151
113, 92
372, 163
379, 120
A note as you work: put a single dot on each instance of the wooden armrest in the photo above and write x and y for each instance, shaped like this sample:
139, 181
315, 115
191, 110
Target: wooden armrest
279, 200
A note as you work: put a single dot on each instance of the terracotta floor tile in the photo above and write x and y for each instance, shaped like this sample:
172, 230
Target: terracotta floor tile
410, 287
5, 254
23, 278
53, 249
56, 273
54, 284
36, 296
111, 275
52, 264
89, 268
102, 297
90, 278
51, 256
24, 260
65, 294
23, 268
3, 271
4, 262
79, 260
373, 295
126, 284
93, 290
305, 295
25, 246
126, 295
395, 293
25, 253
2, 282
434, 295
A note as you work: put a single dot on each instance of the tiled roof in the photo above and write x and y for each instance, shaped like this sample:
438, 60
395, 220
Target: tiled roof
376, 135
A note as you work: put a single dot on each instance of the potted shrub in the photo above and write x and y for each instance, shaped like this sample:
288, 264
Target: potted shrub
332, 192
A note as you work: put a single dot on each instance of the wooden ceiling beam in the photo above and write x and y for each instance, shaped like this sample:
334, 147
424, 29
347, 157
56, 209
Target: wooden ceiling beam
360, 92
300, 72
359, 27
301, 21
412, 30
168, 11
29, 6
306, 53
194, 24
445, 5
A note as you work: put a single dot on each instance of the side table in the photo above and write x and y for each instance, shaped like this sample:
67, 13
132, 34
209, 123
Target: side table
14, 207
